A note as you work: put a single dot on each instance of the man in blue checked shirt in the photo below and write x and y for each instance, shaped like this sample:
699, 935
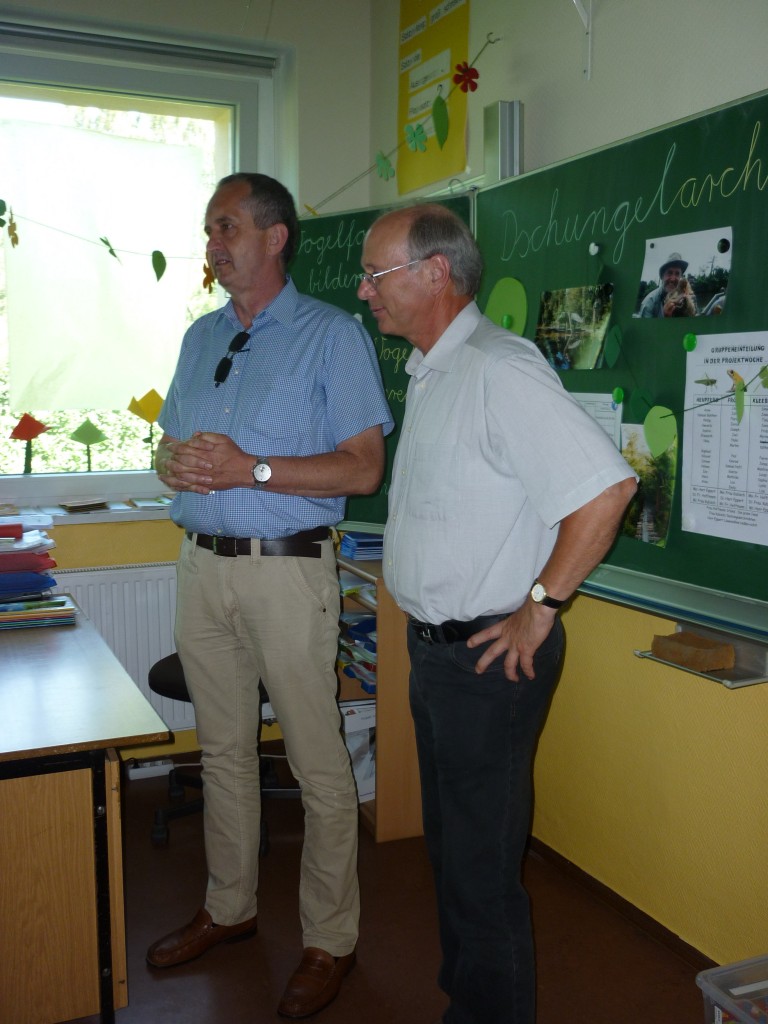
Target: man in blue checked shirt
276, 412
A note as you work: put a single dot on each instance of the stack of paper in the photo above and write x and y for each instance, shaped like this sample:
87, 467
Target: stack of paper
357, 648
361, 546
58, 611
353, 586
24, 558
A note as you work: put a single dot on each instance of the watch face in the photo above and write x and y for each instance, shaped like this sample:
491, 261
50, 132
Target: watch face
538, 593
262, 472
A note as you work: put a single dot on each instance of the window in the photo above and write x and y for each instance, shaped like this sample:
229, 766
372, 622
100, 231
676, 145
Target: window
113, 147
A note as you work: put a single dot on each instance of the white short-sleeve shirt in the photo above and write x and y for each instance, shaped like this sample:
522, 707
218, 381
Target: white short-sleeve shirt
493, 454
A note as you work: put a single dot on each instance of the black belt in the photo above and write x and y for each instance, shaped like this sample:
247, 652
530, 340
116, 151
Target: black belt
452, 630
300, 545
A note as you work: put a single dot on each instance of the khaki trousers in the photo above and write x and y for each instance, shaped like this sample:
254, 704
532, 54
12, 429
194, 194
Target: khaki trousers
272, 618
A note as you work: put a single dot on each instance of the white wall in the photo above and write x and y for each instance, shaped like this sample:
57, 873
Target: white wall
324, 47
652, 63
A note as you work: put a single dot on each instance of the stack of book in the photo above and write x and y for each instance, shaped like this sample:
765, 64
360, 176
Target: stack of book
55, 611
24, 558
361, 546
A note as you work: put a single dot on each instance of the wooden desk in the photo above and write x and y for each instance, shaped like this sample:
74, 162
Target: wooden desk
65, 704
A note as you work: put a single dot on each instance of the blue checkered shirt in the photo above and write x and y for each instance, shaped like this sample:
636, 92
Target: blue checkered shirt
307, 380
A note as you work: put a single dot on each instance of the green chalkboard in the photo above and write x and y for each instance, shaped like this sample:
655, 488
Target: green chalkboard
327, 266
586, 239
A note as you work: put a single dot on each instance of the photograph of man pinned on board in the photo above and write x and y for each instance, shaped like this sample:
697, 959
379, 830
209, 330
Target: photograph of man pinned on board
685, 275
647, 517
572, 325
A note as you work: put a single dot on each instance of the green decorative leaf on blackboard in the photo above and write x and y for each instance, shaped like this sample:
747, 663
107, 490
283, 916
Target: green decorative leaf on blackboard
158, 263
660, 430
440, 120
612, 347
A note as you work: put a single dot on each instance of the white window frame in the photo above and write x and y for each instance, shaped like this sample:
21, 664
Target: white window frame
255, 84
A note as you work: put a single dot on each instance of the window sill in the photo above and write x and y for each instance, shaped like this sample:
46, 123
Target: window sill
131, 515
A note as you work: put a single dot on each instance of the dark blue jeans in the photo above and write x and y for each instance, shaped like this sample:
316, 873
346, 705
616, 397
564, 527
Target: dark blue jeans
476, 736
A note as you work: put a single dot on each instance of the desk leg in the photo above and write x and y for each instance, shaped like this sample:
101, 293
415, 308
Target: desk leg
103, 910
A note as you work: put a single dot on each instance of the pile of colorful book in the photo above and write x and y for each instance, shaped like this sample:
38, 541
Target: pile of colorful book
25, 583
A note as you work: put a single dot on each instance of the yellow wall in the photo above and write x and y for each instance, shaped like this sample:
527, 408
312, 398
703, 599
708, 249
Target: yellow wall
93, 544
655, 782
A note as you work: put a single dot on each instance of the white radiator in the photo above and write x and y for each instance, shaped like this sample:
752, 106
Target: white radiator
133, 607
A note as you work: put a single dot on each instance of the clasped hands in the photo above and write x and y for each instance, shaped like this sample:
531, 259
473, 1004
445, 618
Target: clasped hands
204, 463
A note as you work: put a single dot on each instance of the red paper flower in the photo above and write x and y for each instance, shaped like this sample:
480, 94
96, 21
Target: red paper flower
466, 77
28, 428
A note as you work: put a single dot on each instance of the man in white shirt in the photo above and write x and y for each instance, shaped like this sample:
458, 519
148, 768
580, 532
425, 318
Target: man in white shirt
505, 495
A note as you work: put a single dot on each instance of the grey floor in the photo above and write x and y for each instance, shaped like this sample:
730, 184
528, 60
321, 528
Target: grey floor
594, 966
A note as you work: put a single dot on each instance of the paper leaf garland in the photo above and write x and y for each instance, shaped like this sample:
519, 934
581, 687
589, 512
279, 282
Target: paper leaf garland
384, 167
612, 347
13, 233
660, 430
209, 278
466, 77
105, 241
440, 120
158, 263
416, 138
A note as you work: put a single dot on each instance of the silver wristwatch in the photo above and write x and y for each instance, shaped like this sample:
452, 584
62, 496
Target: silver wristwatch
262, 471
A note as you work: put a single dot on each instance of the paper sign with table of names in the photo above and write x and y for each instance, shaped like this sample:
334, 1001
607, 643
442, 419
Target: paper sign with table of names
725, 456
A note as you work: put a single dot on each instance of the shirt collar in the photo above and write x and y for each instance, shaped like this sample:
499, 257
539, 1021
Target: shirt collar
443, 353
282, 308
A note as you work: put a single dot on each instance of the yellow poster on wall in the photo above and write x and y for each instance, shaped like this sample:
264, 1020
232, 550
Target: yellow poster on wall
434, 38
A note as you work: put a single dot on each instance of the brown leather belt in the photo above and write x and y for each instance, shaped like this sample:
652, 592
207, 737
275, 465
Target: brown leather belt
452, 630
300, 545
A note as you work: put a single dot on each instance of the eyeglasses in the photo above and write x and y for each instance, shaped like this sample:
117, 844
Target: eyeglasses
225, 363
372, 279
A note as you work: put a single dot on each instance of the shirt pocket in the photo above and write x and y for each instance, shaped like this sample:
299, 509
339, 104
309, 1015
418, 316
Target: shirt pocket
432, 488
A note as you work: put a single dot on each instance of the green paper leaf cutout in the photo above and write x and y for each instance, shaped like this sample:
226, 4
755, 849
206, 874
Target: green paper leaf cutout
639, 404
88, 433
440, 120
507, 305
416, 138
763, 375
612, 346
660, 429
384, 167
3, 208
158, 263
105, 241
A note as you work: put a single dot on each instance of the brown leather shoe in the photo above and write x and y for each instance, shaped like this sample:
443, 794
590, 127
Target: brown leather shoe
315, 983
196, 938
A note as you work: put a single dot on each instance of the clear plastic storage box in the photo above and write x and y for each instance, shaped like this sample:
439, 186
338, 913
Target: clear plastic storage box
736, 992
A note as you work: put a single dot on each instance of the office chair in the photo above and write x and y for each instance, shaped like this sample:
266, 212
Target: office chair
166, 678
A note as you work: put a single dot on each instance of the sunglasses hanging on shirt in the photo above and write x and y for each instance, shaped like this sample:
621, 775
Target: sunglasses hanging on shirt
225, 363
